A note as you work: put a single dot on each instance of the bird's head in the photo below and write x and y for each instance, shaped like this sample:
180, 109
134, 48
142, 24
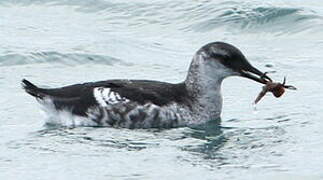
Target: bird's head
229, 61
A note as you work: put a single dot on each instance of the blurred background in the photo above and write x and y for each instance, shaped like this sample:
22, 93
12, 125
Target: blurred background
60, 42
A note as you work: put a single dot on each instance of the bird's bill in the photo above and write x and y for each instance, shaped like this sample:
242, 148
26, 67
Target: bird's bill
254, 74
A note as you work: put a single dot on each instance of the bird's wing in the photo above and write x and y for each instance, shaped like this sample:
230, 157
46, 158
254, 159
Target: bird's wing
72, 91
80, 97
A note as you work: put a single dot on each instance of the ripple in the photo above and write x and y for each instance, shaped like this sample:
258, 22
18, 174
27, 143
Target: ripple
245, 18
56, 57
233, 146
192, 17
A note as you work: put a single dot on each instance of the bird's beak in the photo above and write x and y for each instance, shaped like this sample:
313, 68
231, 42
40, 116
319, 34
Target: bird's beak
253, 73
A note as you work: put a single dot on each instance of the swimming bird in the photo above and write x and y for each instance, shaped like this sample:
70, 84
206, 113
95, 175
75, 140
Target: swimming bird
150, 104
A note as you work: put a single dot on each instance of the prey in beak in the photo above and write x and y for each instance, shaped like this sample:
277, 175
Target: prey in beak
233, 59
254, 74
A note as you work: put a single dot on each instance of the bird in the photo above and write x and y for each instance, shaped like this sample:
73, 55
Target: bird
149, 104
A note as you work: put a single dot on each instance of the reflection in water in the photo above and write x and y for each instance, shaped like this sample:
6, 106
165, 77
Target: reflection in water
211, 134
209, 145
96, 137
232, 147
213, 139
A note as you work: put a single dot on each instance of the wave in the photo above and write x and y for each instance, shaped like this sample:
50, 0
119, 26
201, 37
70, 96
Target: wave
56, 57
169, 17
199, 16
270, 19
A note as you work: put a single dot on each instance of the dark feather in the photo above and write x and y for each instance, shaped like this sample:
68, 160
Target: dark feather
79, 97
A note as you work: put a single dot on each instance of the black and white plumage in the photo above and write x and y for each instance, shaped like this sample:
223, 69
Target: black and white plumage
147, 104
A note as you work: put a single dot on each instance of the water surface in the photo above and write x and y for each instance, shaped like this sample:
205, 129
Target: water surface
59, 42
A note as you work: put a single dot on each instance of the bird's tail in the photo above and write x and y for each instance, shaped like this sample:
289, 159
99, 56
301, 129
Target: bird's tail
32, 89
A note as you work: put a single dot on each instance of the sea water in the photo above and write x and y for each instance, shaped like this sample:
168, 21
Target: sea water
60, 42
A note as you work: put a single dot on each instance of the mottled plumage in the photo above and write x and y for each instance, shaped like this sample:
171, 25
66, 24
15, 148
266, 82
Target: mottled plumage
146, 104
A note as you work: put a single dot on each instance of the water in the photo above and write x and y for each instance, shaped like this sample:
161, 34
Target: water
60, 42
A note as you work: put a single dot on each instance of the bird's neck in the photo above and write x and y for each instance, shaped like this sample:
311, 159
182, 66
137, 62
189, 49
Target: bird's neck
203, 84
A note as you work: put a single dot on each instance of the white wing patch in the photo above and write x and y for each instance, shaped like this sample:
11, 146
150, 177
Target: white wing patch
105, 97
